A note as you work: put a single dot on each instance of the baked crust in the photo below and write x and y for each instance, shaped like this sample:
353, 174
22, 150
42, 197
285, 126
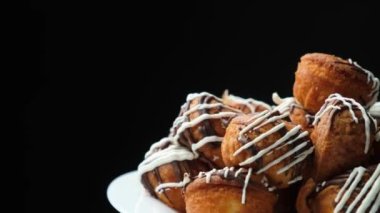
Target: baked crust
224, 196
318, 75
231, 144
339, 143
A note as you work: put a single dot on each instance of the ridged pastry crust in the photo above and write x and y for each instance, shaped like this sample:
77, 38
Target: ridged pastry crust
224, 195
319, 75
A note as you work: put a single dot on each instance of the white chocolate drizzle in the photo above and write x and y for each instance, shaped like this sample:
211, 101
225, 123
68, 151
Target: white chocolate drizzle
183, 122
375, 110
186, 179
336, 102
201, 118
172, 153
158, 145
246, 181
299, 151
203, 141
295, 180
370, 77
264, 151
368, 196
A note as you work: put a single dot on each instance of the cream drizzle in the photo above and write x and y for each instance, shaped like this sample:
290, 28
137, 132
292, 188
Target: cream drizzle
278, 160
375, 110
370, 77
168, 149
200, 119
278, 100
298, 158
246, 181
204, 141
333, 100
157, 146
193, 96
238, 172
284, 104
296, 179
167, 155
186, 179
179, 120
291, 136
264, 151
372, 186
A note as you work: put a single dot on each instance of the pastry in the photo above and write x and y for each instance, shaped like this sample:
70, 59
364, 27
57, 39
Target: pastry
344, 130
307, 152
320, 75
355, 191
228, 190
166, 169
201, 126
278, 149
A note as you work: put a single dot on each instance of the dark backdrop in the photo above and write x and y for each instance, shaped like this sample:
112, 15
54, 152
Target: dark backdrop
101, 81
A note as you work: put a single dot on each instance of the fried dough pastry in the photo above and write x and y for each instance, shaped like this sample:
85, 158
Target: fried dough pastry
343, 136
355, 191
228, 190
202, 124
320, 75
165, 170
269, 145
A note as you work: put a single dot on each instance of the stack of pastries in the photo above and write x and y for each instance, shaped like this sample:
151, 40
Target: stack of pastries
318, 151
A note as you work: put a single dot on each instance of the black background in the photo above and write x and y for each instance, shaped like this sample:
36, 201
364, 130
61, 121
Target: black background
101, 81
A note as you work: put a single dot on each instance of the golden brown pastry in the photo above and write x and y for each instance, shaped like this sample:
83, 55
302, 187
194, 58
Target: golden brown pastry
166, 169
343, 136
320, 75
269, 145
202, 124
228, 190
354, 191
247, 106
